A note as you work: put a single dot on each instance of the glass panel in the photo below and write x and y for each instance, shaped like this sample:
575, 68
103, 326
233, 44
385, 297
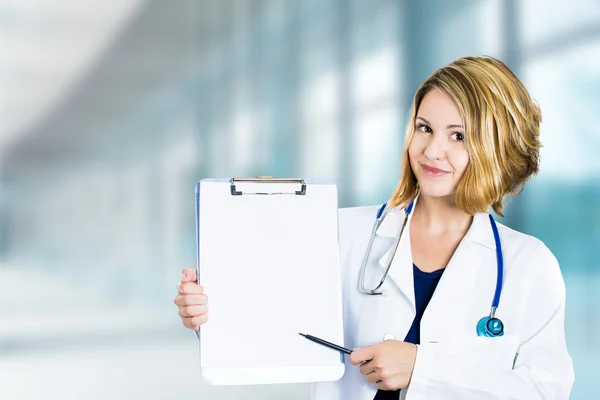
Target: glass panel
562, 206
377, 167
540, 20
320, 147
375, 79
569, 109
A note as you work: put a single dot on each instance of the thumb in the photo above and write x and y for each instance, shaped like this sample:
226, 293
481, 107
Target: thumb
188, 275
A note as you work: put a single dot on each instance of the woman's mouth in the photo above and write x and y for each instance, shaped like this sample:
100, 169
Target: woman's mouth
432, 171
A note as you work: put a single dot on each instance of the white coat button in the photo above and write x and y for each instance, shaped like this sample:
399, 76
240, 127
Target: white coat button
389, 336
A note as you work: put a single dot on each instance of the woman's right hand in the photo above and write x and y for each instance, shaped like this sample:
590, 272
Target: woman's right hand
191, 301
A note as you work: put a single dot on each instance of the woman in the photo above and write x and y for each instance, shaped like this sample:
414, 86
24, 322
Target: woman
472, 140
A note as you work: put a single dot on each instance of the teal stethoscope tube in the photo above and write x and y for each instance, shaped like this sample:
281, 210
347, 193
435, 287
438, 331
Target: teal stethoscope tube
488, 326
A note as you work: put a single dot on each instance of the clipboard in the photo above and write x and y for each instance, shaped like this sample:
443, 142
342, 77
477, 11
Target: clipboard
268, 257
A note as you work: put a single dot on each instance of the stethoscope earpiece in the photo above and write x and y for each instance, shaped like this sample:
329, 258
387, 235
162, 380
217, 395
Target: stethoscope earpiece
490, 327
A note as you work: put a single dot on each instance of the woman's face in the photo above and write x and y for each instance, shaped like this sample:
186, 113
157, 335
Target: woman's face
437, 152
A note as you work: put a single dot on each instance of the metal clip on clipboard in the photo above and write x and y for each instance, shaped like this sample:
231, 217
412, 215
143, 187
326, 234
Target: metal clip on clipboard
268, 179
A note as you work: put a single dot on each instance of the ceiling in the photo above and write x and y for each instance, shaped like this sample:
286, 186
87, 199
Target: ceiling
47, 48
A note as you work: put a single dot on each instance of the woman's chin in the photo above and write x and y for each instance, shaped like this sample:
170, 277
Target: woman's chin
436, 191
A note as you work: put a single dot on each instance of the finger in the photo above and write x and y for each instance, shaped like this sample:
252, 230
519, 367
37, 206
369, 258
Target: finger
183, 300
190, 288
367, 368
195, 322
360, 355
193, 311
373, 377
188, 275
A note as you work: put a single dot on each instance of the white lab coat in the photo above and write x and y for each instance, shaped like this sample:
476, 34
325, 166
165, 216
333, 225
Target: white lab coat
529, 362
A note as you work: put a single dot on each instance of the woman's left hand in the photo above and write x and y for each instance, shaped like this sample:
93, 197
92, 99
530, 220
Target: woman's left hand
389, 364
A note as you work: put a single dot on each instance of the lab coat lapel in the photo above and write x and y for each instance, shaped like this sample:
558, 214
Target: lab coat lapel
401, 269
467, 283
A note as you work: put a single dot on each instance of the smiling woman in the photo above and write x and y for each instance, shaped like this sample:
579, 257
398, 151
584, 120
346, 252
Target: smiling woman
437, 255
438, 175
487, 110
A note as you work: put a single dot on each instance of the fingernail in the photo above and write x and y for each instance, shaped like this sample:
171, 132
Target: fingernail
182, 276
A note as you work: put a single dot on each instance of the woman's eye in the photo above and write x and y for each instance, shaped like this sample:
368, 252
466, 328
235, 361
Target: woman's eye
459, 137
423, 128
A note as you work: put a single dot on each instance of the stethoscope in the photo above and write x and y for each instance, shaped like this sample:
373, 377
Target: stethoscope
488, 326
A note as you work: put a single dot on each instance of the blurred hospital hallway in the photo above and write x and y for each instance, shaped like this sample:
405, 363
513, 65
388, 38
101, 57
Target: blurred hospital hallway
111, 111
60, 340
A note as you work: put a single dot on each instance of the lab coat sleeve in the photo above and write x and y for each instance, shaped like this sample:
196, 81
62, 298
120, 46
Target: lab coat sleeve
542, 369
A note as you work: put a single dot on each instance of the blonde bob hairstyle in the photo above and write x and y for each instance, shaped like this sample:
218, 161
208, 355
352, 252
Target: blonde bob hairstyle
502, 129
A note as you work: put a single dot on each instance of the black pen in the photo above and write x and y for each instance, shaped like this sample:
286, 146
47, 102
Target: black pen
326, 343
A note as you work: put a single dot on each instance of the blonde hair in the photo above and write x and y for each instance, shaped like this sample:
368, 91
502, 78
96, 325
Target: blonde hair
502, 127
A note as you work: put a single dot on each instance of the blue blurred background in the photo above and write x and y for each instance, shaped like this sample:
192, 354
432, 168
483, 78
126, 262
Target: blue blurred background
110, 111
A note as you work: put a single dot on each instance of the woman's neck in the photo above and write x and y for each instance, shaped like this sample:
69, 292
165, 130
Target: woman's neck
439, 215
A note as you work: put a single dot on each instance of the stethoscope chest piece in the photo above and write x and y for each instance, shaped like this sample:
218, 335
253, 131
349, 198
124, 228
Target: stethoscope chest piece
490, 327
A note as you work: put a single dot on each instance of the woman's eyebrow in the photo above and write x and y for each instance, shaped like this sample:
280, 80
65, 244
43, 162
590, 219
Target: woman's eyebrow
447, 127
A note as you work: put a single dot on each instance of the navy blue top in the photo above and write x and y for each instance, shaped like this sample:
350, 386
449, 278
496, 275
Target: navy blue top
425, 284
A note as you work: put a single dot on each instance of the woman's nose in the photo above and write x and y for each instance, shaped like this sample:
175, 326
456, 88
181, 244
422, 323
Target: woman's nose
436, 148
